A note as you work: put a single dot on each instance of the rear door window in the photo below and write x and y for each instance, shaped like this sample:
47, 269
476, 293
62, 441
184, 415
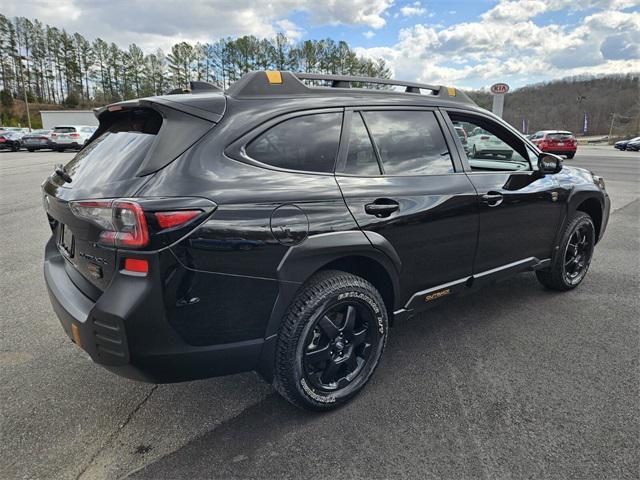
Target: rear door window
409, 142
361, 157
308, 143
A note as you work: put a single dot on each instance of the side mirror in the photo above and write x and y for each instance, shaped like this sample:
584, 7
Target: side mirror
549, 163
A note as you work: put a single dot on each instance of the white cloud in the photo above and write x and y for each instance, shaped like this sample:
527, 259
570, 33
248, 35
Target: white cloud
161, 23
515, 11
369, 34
416, 9
290, 29
506, 44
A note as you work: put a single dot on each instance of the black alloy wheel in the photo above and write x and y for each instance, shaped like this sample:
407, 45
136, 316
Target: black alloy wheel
330, 340
571, 262
577, 254
338, 346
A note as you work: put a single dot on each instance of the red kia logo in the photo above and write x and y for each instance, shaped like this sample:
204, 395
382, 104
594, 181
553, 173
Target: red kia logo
498, 88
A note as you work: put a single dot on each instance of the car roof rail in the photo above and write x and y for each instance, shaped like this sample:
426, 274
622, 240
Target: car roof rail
272, 83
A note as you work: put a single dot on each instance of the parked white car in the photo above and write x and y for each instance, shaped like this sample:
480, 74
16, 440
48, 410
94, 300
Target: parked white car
483, 144
64, 137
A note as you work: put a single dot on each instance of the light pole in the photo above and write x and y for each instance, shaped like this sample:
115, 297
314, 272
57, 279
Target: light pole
613, 117
24, 89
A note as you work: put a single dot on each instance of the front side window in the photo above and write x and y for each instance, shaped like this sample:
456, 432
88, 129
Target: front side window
307, 143
409, 142
489, 146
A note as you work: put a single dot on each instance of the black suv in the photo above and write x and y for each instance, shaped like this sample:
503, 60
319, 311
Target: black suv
283, 225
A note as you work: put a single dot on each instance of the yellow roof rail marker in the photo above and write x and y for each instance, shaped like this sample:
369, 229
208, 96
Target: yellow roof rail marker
274, 76
451, 91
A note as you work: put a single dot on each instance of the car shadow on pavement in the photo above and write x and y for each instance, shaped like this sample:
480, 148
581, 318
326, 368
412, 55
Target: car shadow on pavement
415, 379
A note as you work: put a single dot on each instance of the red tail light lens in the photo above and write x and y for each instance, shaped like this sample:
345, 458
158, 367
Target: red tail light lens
74, 135
130, 226
175, 219
484, 137
123, 221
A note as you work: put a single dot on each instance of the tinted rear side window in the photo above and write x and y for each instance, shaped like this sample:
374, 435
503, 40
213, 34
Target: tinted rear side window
308, 143
361, 157
118, 152
410, 142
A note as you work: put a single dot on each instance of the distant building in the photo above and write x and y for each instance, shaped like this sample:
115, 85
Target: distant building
53, 118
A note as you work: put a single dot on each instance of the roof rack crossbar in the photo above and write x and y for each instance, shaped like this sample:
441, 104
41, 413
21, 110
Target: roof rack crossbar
342, 81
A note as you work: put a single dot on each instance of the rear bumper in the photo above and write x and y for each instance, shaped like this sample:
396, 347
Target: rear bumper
126, 332
64, 146
560, 150
37, 146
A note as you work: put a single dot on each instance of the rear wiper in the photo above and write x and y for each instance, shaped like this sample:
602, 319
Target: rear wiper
62, 173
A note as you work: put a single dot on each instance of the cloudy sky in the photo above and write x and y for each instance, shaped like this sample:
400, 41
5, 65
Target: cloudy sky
468, 43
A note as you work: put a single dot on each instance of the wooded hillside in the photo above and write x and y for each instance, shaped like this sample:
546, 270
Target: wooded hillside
561, 104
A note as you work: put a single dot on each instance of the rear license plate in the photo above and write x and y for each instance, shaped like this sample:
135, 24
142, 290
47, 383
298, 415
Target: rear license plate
560, 144
66, 240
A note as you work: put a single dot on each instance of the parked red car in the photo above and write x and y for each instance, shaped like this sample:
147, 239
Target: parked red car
559, 142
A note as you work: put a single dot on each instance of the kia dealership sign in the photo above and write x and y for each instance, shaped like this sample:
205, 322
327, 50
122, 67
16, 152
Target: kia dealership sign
499, 88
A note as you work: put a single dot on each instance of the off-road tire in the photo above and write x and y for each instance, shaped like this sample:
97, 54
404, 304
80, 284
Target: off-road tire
316, 297
555, 277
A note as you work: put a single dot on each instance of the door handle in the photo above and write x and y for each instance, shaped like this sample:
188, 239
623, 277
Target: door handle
492, 199
382, 207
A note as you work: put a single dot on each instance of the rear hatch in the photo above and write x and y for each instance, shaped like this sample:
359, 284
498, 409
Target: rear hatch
64, 135
134, 140
560, 139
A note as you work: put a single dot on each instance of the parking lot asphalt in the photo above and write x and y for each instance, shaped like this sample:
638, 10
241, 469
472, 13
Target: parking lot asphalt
514, 381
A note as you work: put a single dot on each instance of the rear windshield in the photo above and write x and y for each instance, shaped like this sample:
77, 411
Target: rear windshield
559, 136
64, 129
118, 152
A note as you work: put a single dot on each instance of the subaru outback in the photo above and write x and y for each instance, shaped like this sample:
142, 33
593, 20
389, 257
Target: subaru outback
283, 225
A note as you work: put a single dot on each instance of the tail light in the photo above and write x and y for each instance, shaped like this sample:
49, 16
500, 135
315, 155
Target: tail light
484, 137
175, 219
74, 135
124, 222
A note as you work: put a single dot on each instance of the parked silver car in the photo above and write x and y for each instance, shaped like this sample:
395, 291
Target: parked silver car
37, 140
